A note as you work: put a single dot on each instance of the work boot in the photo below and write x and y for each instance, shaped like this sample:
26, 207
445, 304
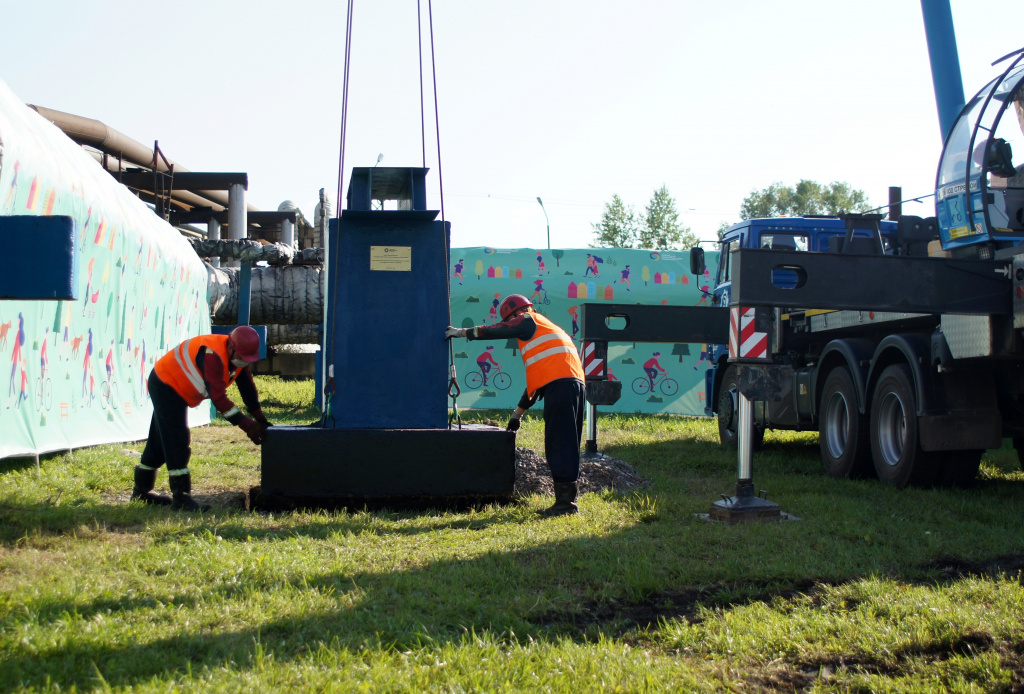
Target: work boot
181, 490
145, 479
565, 500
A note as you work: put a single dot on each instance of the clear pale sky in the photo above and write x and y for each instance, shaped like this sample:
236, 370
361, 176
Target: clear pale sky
572, 101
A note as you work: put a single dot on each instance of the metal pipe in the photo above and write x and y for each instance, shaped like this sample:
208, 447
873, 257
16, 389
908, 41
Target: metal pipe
91, 132
895, 203
244, 293
546, 220
288, 233
945, 62
745, 436
213, 233
238, 222
237, 229
591, 446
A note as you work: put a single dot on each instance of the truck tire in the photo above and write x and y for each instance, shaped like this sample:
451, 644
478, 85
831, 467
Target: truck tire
895, 447
727, 415
842, 430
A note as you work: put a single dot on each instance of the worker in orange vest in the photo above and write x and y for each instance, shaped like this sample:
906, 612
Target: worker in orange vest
199, 368
554, 373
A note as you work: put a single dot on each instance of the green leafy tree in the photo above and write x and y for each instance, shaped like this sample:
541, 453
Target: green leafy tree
661, 229
618, 227
658, 229
722, 228
557, 253
806, 197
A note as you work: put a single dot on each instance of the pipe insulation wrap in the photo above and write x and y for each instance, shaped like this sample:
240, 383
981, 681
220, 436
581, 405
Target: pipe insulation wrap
288, 294
243, 250
307, 334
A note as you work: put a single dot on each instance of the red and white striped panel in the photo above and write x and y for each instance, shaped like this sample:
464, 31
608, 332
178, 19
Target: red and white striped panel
592, 366
744, 341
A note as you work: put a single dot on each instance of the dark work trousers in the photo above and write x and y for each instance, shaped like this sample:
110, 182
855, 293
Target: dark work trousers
564, 402
169, 437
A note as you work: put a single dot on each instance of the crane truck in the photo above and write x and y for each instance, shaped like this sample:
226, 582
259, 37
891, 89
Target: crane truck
900, 341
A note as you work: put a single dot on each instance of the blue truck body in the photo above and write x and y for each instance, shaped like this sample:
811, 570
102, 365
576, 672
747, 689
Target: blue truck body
812, 234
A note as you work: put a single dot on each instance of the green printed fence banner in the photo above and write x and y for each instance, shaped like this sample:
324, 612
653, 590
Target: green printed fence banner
491, 373
76, 370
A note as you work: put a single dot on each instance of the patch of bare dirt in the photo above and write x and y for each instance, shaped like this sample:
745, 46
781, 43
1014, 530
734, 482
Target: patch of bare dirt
216, 498
533, 476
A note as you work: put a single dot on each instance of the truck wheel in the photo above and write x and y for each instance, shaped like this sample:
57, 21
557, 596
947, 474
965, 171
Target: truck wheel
959, 468
728, 416
897, 453
842, 430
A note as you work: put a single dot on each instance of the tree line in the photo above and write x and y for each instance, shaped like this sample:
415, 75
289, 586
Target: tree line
659, 228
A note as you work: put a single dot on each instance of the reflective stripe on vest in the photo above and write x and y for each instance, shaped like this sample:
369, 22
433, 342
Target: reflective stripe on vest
549, 356
188, 367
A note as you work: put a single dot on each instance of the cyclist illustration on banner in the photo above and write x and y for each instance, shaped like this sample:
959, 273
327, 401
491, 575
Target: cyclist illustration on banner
652, 367
476, 379
650, 382
539, 293
485, 360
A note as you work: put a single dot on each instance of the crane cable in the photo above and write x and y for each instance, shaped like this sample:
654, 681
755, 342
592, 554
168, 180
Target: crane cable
453, 382
453, 385
330, 390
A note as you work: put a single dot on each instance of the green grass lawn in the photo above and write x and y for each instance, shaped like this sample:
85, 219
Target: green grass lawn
873, 589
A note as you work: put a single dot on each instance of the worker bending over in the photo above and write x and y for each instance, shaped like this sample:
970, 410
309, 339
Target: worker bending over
199, 368
554, 373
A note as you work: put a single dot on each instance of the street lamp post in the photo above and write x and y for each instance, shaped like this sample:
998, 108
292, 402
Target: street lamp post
546, 219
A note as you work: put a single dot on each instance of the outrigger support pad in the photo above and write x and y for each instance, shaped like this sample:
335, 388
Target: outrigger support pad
745, 507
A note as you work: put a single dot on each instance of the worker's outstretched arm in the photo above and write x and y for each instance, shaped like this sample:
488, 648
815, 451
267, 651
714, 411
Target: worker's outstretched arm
521, 327
251, 397
213, 373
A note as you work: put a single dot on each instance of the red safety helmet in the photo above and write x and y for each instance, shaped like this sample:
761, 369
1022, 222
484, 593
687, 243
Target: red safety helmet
512, 303
246, 342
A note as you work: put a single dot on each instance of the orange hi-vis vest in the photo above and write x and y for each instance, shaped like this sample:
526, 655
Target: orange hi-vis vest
178, 369
548, 356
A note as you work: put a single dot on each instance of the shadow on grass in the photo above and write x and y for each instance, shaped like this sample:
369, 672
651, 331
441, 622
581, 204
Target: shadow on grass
616, 584
8, 465
519, 596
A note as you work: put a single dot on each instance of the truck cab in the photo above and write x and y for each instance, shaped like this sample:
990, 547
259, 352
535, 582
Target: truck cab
979, 190
819, 234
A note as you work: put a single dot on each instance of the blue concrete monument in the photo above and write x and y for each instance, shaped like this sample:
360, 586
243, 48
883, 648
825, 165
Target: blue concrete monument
385, 438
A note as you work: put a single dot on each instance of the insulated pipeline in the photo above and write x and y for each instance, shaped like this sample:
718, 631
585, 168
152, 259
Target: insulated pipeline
288, 295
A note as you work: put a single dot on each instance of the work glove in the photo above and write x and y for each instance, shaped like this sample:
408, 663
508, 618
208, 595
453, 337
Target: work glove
262, 419
513, 424
253, 430
451, 332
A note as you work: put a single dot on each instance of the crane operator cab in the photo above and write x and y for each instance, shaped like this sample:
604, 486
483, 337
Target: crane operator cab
979, 189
